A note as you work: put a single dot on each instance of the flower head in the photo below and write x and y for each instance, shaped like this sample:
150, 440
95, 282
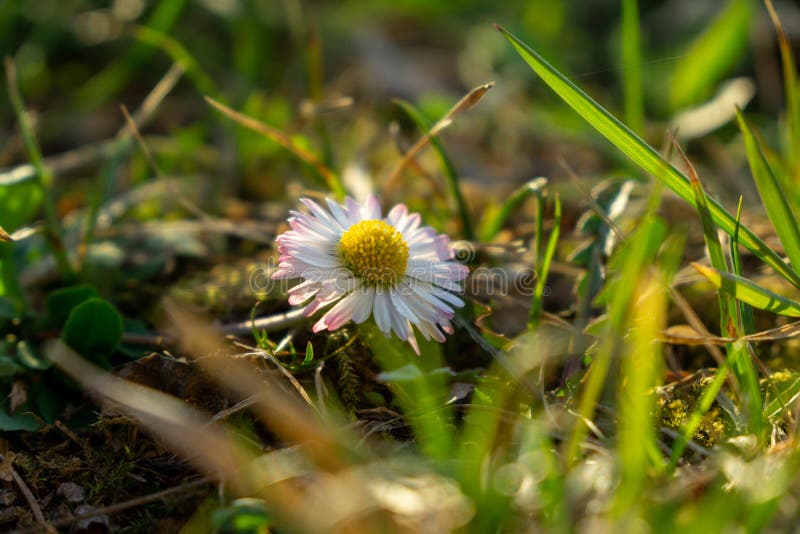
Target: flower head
389, 267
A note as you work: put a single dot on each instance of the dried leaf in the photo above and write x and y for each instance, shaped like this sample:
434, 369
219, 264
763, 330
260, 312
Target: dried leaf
683, 334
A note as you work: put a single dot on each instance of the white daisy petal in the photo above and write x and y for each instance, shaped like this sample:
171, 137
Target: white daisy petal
364, 305
338, 213
380, 308
371, 208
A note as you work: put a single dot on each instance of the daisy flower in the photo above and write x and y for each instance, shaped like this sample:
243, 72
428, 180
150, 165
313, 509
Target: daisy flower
390, 267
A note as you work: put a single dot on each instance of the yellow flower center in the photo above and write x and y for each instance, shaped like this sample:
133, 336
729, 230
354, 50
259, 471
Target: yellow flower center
374, 252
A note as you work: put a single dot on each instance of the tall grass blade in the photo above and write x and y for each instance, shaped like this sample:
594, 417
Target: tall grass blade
543, 267
730, 322
641, 372
772, 195
711, 55
745, 310
44, 178
494, 221
180, 55
632, 65
750, 292
643, 155
791, 93
115, 76
630, 261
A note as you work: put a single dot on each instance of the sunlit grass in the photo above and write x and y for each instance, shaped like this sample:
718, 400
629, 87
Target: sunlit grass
561, 403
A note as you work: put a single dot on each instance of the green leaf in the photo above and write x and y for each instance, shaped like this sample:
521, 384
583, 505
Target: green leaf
644, 155
772, 195
30, 357
49, 403
61, 302
94, 329
750, 292
632, 65
19, 203
14, 423
411, 372
243, 516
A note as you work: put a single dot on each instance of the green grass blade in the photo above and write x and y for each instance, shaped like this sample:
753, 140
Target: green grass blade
746, 311
644, 155
641, 372
632, 65
494, 221
791, 93
115, 76
449, 169
543, 268
750, 292
772, 194
631, 261
44, 177
715, 253
180, 55
711, 55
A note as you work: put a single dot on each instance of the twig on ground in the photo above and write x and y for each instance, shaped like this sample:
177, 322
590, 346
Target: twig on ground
119, 507
270, 323
26, 492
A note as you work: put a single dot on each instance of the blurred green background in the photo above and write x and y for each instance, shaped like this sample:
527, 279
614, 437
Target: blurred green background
275, 60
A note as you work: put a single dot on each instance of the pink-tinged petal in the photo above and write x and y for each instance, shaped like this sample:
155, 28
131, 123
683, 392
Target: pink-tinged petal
409, 227
303, 291
284, 274
320, 302
339, 314
397, 214
325, 226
